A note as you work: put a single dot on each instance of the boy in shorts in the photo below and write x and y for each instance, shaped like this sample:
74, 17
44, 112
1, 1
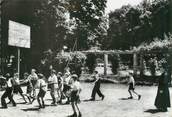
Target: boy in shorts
17, 87
53, 83
33, 77
29, 88
75, 91
66, 86
42, 90
60, 88
131, 88
8, 92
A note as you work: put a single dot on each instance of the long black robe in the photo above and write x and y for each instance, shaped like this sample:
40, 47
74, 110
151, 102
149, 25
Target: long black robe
162, 100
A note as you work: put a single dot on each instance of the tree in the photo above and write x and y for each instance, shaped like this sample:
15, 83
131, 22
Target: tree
48, 26
115, 63
59, 61
88, 16
119, 27
91, 62
132, 25
51, 19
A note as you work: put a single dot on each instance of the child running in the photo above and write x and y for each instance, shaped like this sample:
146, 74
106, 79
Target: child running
53, 83
42, 90
8, 92
66, 86
33, 76
29, 88
75, 91
96, 88
17, 87
60, 89
131, 88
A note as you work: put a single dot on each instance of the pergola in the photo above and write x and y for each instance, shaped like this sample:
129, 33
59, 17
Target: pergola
114, 52
155, 47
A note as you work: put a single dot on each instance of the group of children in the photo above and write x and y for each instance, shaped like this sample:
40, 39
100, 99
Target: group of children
67, 86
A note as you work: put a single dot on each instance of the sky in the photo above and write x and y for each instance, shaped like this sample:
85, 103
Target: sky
115, 4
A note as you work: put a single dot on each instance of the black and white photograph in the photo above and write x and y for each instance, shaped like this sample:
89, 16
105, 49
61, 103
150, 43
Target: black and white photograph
85, 58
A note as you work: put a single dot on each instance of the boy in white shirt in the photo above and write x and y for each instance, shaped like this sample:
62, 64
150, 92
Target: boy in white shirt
131, 83
75, 91
17, 87
34, 77
53, 83
41, 84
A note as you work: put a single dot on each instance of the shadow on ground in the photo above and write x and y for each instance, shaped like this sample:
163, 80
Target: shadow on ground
127, 99
31, 109
153, 111
88, 100
36, 108
2, 108
21, 102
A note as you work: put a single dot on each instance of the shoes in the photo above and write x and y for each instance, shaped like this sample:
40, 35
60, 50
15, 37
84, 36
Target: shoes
67, 102
163, 110
130, 97
103, 97
80, 115
14, 105
4, 107
73, 115
30, 102
92, 99
59, 102
43, 106
54, 104
139, 97
40, 106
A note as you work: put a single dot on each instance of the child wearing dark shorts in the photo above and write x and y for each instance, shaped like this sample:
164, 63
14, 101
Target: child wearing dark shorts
131, 87
17, 87
29, 87
75, 97
8, 92
75, 91
42, 91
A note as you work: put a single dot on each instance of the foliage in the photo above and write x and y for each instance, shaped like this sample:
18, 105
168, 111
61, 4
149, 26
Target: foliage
59, 61
48, 26
77, 62
157, 44
131, 25
51, 20
91, 62
115, 63
89, 12
87, 15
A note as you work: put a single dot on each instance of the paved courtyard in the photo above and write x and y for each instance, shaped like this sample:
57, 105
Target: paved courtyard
115, 104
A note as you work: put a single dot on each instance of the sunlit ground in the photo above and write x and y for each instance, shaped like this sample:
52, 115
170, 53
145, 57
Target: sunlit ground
114, 104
